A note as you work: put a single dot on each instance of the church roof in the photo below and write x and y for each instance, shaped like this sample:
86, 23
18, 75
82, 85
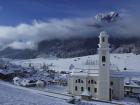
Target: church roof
131, 84
93, 70
103, 33
113, 73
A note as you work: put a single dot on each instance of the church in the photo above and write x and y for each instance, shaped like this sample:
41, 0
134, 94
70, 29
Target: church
100, 82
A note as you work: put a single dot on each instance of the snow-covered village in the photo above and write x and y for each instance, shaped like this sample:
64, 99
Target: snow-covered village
69, 52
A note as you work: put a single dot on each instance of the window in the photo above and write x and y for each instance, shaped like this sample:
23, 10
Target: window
103, 39
95, 82
111, 83
82, 88
103, 64
89, 89
78, 80
103, 59
76, 88
95, 90
91, 81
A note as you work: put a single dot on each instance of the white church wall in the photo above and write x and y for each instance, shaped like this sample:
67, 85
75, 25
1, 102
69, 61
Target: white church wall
77, 85
118, 87
93, 85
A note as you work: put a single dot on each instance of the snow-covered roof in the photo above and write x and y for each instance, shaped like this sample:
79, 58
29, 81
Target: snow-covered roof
103, 33
95, 72
126, 74
90, 70
132, 84
85, 72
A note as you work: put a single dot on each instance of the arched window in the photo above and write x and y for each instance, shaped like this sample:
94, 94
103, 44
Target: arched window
82, 88
78, 80
82, 81
103, 59
91, 81
76, 88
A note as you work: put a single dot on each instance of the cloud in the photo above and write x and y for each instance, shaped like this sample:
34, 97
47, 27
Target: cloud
37, 31
127, 26
26, 36
22, 45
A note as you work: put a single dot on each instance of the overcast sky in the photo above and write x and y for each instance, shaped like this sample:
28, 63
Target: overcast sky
23, 23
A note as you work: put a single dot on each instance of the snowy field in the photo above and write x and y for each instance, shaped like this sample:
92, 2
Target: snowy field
120, 61
13, 96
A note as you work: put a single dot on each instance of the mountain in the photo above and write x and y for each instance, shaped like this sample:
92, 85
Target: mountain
107, 17
18, 54
72, 47
81, 46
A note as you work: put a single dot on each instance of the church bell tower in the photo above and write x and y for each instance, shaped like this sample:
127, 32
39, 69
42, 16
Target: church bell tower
104, 66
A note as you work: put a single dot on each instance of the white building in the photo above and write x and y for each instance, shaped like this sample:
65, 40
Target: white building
100, 80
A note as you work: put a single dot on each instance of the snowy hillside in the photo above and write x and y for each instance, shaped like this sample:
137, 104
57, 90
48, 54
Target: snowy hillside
129, 61
47, 97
